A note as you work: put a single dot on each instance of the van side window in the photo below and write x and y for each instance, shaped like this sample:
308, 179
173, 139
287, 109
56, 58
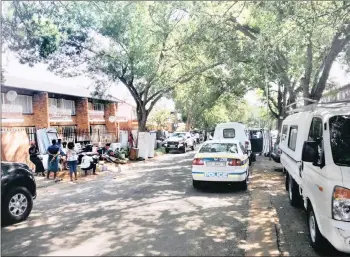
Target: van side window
292, 140
316, 129
284, 133
229, 133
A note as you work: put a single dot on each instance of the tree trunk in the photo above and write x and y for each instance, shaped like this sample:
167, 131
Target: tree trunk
141, 117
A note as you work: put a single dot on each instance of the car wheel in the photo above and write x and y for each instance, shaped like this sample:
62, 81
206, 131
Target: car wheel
250, 161
244, 184
193, 147
17, 205
293, 192
183, 149
167, 150
196, 184
254, 157
318, 242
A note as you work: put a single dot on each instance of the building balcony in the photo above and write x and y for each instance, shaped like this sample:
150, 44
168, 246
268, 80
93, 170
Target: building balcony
96, 115
60, 115
11, 113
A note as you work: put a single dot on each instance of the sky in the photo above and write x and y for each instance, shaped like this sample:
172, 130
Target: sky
12, 67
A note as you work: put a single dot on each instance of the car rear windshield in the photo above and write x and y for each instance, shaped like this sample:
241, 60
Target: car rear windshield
219, 148
339, 128
179, 134
229, 133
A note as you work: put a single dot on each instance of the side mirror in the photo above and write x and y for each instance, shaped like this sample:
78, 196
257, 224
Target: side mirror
310, 152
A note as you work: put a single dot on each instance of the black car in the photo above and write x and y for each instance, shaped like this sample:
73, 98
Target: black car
18, 189
276, 153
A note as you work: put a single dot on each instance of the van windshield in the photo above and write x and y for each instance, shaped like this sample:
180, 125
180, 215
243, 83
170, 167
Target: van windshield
339, 129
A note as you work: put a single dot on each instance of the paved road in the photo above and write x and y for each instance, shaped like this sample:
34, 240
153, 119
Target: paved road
150, 209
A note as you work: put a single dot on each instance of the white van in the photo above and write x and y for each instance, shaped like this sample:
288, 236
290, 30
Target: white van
315, 144
235, 130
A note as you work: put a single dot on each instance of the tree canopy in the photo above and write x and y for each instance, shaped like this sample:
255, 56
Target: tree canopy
199, 53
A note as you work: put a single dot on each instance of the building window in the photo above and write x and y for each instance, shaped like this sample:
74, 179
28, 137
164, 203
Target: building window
63, 104
292, 140
96, 107
26, 101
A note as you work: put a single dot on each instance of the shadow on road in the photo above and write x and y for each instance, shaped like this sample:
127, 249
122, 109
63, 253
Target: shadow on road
148, 211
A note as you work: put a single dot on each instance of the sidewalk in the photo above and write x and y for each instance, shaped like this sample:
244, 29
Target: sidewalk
264, 236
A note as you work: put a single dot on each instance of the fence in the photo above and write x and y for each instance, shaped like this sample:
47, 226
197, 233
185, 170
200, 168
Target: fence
93, 136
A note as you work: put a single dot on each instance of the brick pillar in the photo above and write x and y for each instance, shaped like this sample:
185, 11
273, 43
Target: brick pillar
82, 112
41, 110
112, 127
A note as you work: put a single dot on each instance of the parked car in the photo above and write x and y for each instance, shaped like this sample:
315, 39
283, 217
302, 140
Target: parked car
235, 130
315, 143
221, 160
180, 141
18, 189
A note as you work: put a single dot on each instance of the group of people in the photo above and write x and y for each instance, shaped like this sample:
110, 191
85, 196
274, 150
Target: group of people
57, 152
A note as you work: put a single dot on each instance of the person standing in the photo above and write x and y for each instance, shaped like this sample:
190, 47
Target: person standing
54, 152
72, 160
131, 140
34, 158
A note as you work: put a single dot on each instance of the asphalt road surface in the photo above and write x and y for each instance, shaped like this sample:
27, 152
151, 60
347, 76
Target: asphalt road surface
150, 209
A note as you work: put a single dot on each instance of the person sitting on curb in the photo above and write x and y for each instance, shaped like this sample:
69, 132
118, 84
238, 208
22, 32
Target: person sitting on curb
88, 163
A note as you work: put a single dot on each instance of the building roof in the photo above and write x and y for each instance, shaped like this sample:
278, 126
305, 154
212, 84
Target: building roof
43, 86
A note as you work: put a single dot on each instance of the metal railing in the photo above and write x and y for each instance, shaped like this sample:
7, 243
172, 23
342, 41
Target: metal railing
11, 108
60, 111
96, 115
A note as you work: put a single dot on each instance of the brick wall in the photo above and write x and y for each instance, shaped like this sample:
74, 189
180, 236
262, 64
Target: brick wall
111, 110
41, 110
82, 111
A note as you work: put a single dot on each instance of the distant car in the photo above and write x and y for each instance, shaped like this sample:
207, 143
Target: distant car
221, 160
180, 141
18, 189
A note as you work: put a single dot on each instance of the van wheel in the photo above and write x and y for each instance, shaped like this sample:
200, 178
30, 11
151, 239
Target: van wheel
286, 182
250, 161
318, 242
167, 150
17, 205
293, 192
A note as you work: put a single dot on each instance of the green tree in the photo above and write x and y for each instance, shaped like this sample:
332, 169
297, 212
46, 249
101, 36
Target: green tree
159, 117
150, 47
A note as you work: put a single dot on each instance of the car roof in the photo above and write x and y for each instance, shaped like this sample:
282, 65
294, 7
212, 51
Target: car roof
230, 125
223, 141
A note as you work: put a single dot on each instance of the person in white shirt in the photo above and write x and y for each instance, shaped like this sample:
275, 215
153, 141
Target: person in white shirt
197, 137
72, 160
87, 163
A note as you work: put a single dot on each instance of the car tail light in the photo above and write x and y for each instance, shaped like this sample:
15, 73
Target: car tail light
341, 204
235, 162
197, 161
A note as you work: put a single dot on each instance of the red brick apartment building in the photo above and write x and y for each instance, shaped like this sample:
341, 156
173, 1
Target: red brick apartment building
72, 111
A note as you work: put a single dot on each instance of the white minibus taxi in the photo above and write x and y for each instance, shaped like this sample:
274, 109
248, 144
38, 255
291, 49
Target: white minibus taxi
315, 145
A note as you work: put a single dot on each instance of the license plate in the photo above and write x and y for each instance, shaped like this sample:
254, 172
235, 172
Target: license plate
172, 146
215, 164
216, 174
